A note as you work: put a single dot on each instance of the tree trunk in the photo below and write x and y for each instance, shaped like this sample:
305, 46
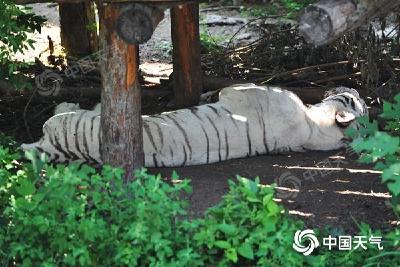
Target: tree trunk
327, 20
77, 34
186, 54
121, 121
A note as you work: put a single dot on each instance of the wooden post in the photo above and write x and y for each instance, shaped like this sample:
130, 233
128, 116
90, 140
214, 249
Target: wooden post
186, 54
121, 121
327, 20
75, 22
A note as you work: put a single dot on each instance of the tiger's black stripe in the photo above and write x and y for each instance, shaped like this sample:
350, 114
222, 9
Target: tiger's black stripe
213, 109
218, 136
226, 145
91, 128
185, 156
85, 143
194, 112
148, 132
207, 144
184, 133
248, 137
77, 145
160, 135
55, 146
155, 160
339, 100
264, 129
171, 153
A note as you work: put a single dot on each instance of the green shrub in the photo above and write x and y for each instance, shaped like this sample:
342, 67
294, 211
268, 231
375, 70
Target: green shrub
76, 216
15, 24
248, 227
383, 147
72, 215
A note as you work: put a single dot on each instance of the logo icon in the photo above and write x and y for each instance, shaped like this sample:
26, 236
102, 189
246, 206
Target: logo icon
309, 235
290, 183
48, 83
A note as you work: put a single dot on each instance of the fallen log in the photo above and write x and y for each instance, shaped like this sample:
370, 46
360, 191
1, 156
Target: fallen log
327, 20
309, 95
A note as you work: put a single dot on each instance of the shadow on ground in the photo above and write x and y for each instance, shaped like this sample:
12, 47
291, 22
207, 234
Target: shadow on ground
322, 188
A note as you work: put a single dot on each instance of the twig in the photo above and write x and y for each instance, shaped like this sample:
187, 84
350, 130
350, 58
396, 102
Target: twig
297, 71
25, 112
240, 29
218, 8
338, 78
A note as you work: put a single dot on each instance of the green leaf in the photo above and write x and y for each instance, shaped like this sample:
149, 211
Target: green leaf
394, 187
174, 175
246, 251
222, 244
25, 188
227, 228
231, 254
391, 173
273, 208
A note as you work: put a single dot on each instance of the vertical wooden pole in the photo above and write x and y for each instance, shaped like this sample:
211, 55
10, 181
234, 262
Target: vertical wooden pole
76, 21
121, 121
186, 54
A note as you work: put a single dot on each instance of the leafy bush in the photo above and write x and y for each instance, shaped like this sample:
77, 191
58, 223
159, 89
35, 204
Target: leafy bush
71, 215
248, 227
15, 24
76, 216
383, 147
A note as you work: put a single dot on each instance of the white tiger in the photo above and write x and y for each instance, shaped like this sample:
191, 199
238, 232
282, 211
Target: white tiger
247, 120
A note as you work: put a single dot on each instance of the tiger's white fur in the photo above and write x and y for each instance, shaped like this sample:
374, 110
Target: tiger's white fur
247, 120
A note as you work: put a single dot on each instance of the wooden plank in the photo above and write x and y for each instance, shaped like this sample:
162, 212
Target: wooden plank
166, 2
187, 73
121, 121
76, 38
327, 20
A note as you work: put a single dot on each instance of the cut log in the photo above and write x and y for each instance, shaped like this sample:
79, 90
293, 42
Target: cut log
137, 22
186, 55
121, 121
77, 37
327, 20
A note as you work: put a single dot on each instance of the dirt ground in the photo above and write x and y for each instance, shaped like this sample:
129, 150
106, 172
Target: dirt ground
321, 188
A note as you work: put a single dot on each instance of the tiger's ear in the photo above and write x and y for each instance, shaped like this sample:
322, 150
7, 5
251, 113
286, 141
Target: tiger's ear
344, 118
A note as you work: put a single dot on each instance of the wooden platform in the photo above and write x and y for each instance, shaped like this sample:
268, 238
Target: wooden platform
23, 2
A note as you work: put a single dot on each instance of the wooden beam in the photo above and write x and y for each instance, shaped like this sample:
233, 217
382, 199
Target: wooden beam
76, 36
158, 2
187, 73
121, 121
137, 22
327, 20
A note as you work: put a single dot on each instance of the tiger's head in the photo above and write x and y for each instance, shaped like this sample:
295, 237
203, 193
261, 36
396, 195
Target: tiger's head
334, 115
